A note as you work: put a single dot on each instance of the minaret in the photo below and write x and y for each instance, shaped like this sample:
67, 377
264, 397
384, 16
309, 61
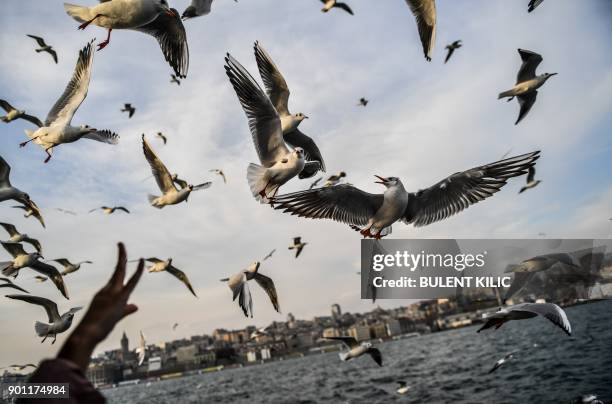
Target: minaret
125, 345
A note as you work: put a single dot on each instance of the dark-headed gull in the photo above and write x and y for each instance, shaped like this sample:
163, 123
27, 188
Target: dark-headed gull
524, 311
424, 12
166, 266
451, 49
13, 113
16, 237
238, 283
357, 349
44, 47
373, 214
329, 4
527, 83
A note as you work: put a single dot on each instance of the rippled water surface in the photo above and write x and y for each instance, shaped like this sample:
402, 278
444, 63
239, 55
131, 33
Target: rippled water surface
451, 366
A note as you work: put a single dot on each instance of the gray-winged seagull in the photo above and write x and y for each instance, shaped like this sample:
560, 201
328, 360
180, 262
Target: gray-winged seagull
13, 113
16, 237
524, 311
501, 361
357, 349
44, 47
109, 210
69, 267
238, 283
531, 181
166, 266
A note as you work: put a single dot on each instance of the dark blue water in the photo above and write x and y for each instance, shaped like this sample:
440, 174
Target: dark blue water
452, 366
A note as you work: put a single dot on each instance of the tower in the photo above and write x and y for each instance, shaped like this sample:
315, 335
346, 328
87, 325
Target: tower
336, 311
125, 345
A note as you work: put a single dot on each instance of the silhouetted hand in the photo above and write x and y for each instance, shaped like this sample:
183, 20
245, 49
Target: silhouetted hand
107, 308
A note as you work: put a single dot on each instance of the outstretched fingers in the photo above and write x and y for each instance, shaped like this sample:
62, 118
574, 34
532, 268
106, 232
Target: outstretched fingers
116, 281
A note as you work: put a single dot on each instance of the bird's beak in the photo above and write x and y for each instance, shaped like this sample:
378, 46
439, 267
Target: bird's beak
305, 117
553, 74
383, 180
92, 130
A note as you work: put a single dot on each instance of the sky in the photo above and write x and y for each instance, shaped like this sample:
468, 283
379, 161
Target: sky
424, 121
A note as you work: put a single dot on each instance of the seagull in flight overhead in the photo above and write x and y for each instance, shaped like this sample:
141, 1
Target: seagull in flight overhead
238, 283
9, 284
424, 12
57, 323
334, 179
278, 93
175, 80
141, 350
531, 181
501, 362
57, 128
524, 311
363, 102
527, 83
219, 172
279, 163
269, 255
329, 4
298, 246
108, 210
451, 49
533, 4
7, 191
16, 237
13, 113
197, 8
356, 349
129, 109
171, 195
373, 214
31, 209
166, 266
153, 17
66, 211
69, 267
44, 47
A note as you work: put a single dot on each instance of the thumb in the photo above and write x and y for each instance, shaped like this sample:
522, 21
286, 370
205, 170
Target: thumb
129, 309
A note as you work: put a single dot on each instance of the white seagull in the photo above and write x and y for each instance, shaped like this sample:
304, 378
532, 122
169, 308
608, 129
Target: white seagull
356, 349
197, 8
57, 323
524, 311
279, 163
57, 128
527, 83
373, 214
329, 4
13, 113
334, 179
166, 266
153, 17
16, 237
69, 267
7, 191
165, 181
501, 362
141, 350
402, 387
531, 181
238, 283
425, 13
31, 209
260, 332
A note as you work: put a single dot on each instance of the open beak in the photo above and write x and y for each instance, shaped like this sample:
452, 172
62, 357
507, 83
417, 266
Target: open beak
383, 180
92, 130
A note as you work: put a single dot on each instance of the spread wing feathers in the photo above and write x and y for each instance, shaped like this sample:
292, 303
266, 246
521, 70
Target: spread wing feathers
425, 13
460, 190
204, 185
533, 4
311, 152
376, 355
311, 168
49, 306
180, 275
104, 136
264, 121
32, 119
530, 174
63, 262
268, 285
240, 289
344, 7
10, 229
52, 273
551, 311
342, 203
450, 52
531, 60
348, 341
170, 33
526, 102
12, 285
159, 170
15, 249
154, 260
76, 90
39, 40
5, 172
276, 86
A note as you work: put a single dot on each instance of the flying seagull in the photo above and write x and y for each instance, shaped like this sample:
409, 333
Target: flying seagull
523, 311
22, 259
174, 79
197, 8
31, 209
402, 387
109, 210
16, 237
162, 137
315, 183
373, 214
298, 246
279, 163
425, 13
329, 4
13, 113
57, 128
141, 350
57, 324
129, 109
9, 284
527, 83
69, 267
260, 332
334, 179
219, 172
238, 283
533, 4
362, 102
171, 195
356, 349
153, 17
66, 211
531, 181
174, 326
44, 47
7, 191
278, 93
166, 266
501, 362
19, 368
269, 255
451, 49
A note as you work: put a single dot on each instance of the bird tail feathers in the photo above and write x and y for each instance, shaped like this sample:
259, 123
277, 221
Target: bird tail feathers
256, 177
343, 356
41, 329
79, 13
509, 93
7, 268
151, 199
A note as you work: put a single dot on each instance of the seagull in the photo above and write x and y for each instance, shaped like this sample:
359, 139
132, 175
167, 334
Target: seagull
298, 246
523, 311
269, 254
171, 195
278, 93
279, 163
166, 266
57, 324
260, 332
315, 183
362, 102
40, 279
128, 108
174, 326
16, 237
66, 211
19, 368
22, 259
402, 387
451, 49
108, 210
162, 137
197, 8
13, 113
425, 13
329, 4
527, 82
70, 267
31, 209
174, 79
141, 350
57, 128
238, 283
153, 17
219, 172
501, 362
533, 4
356, 349
531, 182
373, 214
7, 191
334, 179
44, 47
9, 284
